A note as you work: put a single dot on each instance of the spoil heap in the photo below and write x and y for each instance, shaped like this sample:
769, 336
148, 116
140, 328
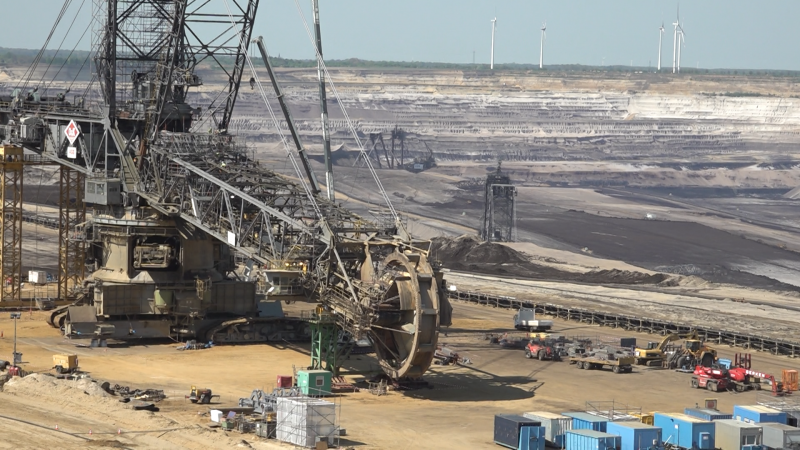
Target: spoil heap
468, 253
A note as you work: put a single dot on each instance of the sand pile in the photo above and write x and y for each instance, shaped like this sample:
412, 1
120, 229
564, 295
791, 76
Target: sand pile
43, 384
693, 281
469, 254
470, 248
84, 404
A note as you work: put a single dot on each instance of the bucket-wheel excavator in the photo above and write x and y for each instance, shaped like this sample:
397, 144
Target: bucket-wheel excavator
175, 197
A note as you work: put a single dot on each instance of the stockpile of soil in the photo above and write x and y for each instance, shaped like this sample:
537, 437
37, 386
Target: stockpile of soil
468, 253
39, 384
470, 248
622, 277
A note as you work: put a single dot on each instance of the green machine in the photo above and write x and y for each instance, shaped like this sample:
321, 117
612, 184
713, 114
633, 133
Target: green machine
326, 351
314, 382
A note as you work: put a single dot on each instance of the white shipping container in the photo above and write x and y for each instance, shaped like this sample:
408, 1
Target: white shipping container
555, 425
302, 420
778, 435
37, 276
732, 434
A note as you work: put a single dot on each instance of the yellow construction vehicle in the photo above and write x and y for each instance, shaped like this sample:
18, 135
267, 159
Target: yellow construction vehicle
201, 395
695, 353
653, 354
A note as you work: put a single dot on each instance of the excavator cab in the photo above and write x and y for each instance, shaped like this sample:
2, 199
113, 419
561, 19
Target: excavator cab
651, 346
693, 345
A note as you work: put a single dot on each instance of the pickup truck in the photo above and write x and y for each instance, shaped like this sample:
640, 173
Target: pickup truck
525, 320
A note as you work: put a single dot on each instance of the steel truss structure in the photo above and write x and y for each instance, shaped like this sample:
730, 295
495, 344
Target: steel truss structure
500, 209
11, 222
71, 245
147, 149
12, 164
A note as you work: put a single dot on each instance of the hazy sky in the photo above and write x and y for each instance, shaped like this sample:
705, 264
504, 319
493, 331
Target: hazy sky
719, 33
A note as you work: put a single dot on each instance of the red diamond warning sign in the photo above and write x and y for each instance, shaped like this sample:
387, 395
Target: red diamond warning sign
72, 132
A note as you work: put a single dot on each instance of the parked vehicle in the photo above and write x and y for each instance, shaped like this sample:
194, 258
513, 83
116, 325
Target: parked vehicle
542, 350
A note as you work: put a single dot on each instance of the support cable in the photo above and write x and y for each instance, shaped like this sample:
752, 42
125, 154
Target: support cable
322, 219
29, 73
60, 46
274, 118
350, 125
71, 51
80, 71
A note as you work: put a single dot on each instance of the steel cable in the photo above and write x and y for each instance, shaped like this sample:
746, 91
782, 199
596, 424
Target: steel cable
61, 44
29, 73
350, 125
71, 52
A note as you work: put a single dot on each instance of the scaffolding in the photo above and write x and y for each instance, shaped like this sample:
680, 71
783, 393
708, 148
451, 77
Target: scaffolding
71, 246
135, 40
614, 411
304, 421
11, 219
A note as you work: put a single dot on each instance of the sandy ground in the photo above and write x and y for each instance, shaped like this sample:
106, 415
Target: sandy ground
456, 413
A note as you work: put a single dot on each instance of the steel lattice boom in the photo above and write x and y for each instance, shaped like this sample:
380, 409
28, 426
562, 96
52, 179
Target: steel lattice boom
173, 195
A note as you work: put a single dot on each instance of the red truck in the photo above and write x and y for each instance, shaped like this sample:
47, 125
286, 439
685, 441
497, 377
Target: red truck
541, 350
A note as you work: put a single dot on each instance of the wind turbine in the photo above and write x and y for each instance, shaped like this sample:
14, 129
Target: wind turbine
676, 24
660, 37
681, 43
541, 45
491, 63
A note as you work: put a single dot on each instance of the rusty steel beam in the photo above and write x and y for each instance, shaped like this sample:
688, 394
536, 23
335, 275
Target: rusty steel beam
11, 219
71, 246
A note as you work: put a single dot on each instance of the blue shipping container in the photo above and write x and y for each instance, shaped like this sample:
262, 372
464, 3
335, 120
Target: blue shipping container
635, 435
586, 421
591, 440
685, 431
532, 438
707, 414
758, 414
507, 429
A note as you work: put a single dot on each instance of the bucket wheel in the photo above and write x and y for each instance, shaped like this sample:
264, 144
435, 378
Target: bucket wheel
406, 329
